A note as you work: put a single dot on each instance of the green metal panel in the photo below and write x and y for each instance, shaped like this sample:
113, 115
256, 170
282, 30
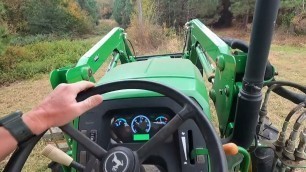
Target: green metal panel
224, 89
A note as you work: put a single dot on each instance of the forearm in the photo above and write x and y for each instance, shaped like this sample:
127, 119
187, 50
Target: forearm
8, 142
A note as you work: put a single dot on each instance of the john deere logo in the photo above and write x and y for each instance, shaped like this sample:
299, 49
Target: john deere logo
116, 162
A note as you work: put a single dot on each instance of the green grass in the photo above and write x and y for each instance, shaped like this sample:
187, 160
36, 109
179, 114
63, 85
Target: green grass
28, 61
289, 49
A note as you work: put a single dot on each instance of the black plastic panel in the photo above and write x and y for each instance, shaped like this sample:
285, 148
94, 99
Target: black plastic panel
137, 124
168, 156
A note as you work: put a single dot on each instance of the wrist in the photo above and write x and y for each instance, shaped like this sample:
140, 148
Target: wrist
35, 121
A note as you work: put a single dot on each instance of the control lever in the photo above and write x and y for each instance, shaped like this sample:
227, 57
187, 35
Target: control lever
230, 149
61, 157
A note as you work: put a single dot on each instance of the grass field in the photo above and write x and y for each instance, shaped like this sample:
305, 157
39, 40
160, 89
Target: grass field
288, 54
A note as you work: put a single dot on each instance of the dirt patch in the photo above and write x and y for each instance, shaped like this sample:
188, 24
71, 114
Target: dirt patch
23, 95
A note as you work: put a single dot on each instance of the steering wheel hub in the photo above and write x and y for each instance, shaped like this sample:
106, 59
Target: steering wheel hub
120, 159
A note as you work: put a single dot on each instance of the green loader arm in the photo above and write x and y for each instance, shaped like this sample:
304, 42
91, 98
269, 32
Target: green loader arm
223, 67
114, 43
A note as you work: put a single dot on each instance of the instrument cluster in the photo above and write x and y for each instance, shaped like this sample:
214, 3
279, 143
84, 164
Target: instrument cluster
137, 126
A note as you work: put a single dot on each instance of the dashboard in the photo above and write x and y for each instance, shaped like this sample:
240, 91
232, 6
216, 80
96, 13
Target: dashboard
137, 125
132, 122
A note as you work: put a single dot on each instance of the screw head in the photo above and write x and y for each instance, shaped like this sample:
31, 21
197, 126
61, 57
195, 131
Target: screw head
220, 63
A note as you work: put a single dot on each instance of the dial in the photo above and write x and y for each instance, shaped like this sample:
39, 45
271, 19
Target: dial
121, 130
161, 120
141, 124
120, 122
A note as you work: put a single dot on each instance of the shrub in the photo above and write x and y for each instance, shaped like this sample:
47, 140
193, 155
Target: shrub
299, 23
23, 62
55, 16
122, 11
4, 39
149, 38
105, 25
90, 6
288, 10
4, 34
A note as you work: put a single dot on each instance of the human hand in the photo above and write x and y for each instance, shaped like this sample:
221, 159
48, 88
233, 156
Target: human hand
60, 107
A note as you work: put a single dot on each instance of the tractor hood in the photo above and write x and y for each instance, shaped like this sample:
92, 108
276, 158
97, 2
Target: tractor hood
153, 68
177, 73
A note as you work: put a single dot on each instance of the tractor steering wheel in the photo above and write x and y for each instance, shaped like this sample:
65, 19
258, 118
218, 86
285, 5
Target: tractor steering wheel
134, 158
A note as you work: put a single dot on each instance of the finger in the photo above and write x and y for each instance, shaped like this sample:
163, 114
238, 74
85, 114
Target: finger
82, 85
89, 103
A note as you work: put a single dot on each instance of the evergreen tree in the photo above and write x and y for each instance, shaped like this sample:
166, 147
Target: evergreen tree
122, 12
91, 7
178, 12
243, 10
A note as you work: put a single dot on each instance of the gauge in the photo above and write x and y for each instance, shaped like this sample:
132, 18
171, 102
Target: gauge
121, 130
161, 120
141, 124
120, 122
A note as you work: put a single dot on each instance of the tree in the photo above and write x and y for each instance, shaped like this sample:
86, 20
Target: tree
226, 15
288, 10
122, 12
146, 10
4, 34
177, 12
206, 10
55, 16
91, 7
243, 10
14, 15
105, 8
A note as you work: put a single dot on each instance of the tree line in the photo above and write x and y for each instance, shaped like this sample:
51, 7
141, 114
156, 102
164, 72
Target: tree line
78, 17
217, 13
59, 17
48, 16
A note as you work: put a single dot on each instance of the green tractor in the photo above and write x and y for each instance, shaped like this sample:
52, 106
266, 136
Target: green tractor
156, 113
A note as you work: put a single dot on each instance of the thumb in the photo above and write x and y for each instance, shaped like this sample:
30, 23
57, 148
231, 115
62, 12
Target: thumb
89, 103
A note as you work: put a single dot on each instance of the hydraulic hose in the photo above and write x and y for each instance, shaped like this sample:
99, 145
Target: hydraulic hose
287, 83
236, 44
287, 94
294, 97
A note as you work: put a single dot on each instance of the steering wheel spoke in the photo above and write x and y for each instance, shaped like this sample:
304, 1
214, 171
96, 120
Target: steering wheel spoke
163, 133
88, 144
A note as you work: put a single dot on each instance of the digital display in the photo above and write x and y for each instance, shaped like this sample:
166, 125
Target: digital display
137, 126
141, 137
